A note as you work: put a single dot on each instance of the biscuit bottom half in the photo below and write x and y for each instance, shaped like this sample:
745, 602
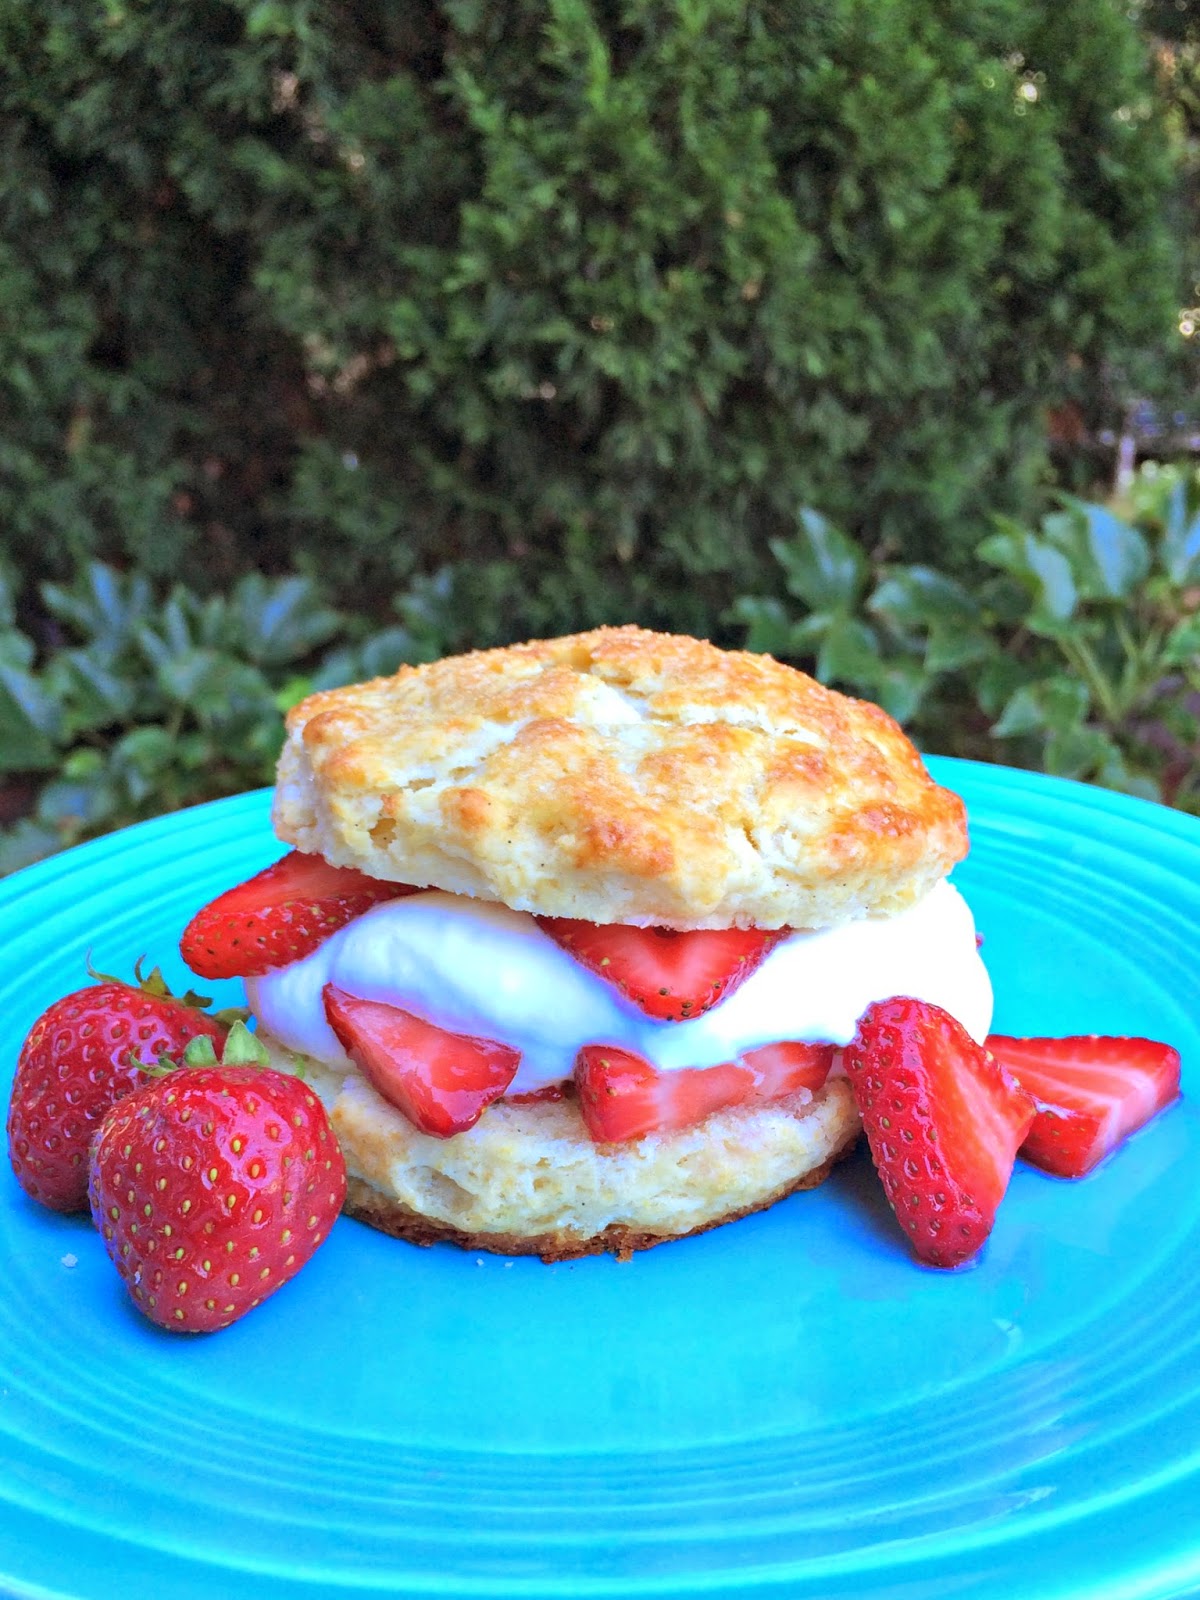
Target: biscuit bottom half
528, 1179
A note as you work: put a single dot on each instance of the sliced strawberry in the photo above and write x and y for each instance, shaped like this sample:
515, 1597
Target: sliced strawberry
944, 1122
442, 1082
548, 1091
666, 974
279, 916
781, 1069
1091, 1093
623, 1097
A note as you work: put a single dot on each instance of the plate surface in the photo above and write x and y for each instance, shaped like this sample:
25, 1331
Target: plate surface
787, 1406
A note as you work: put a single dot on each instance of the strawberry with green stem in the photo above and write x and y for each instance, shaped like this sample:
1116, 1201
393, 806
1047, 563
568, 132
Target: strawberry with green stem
84, 1053
214, 1184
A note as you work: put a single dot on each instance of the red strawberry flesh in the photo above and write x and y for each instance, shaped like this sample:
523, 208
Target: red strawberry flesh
781, 1069
623, 1097
943, 1121
443, 1082
279, 916
669, 975
1091, 1094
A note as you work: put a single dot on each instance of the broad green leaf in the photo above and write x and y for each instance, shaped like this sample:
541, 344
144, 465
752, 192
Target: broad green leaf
1041, 568
823, 568
1056, 595
997, 680
1078, 752
385, 652
25, 842
1108, 557
73, 806
212, 684
1114, 772
1182, 646
1058, 705
8, 597
93, 695
807, 633
765, 619
16, 648
102, 605
1119, 552
950, 648
281, 620
921, 597
849, 654
31, 723
1181, 536
1065, 702
899, 687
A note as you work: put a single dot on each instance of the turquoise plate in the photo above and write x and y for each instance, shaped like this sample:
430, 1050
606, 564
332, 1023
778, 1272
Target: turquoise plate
787, 1406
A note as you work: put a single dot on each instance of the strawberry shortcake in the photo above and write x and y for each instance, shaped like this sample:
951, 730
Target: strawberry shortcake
574, 934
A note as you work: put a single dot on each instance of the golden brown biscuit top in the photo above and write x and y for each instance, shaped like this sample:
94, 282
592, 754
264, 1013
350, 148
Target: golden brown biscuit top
621, 776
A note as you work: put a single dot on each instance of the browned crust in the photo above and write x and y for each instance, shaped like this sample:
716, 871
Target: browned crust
367, 1204
621, 776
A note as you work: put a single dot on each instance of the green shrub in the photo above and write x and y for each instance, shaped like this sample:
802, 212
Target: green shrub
576, 303
1074, 648
461, 322
158, 699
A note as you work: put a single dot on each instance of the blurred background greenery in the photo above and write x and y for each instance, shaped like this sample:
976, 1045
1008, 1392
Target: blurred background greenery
337, 335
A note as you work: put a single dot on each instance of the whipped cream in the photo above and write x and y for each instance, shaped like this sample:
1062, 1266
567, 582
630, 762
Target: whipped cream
477, 968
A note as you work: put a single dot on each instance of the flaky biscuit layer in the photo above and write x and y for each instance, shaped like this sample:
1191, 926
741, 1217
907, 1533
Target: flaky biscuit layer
621, 776
528, 1179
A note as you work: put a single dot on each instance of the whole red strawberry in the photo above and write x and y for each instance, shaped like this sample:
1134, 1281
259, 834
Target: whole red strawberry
212, 1186
81, 1056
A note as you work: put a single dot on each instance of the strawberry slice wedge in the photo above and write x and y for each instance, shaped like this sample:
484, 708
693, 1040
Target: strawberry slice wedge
279, 916
666, 974
1091, 1093
944, 1122
443, 1082
781, 1069
623, 1097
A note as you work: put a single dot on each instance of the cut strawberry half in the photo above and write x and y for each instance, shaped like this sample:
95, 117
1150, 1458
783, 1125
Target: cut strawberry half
279, 916
781, 1069
1091, 1093
443, 1082
944, 1122
623, 1097
666, 974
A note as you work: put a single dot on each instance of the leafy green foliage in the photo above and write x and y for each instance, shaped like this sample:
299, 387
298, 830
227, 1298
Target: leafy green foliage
156, 700
596, 296
1074, 647
457, 323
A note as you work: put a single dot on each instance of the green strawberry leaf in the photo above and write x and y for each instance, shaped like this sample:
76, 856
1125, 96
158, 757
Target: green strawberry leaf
242, 1049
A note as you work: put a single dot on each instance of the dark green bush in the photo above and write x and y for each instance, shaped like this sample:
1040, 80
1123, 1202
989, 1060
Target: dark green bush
576, 301
457, 322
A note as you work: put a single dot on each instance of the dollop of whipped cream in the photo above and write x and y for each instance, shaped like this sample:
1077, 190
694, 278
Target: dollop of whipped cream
477, 968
